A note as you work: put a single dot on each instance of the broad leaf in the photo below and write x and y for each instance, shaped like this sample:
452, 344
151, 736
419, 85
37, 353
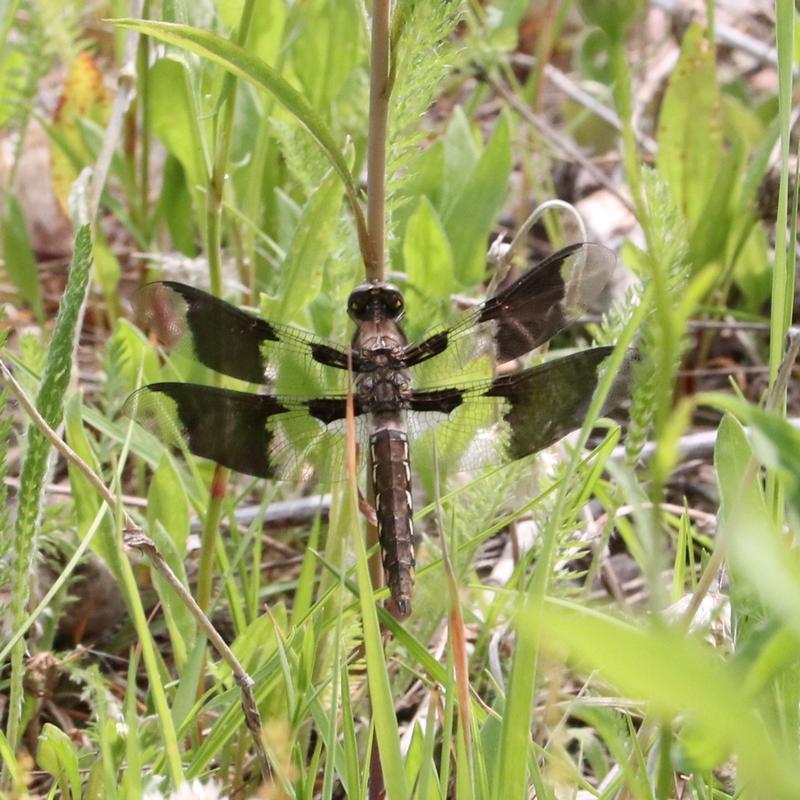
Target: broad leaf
689, 128
174, 117
310, 248
427, 257
469, 217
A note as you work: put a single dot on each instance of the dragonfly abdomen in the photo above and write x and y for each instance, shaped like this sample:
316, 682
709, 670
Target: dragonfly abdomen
391, 475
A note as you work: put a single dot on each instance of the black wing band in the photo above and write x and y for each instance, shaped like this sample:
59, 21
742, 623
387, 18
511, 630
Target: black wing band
225, 338
282, 438
547, 402
500, 420
522, 316
223, 425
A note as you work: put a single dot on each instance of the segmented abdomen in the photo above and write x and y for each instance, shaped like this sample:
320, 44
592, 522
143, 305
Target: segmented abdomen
391, 475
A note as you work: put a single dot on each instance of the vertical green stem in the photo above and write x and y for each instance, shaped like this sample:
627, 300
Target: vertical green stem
711, 21
783, 278
623, 99
659, 278
143, 77
553, 17
214, 199
151, 662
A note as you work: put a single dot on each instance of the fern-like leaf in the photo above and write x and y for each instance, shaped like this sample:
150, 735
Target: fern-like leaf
422, 55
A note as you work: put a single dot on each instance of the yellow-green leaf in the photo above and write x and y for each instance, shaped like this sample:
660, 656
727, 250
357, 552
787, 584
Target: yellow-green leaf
84, 97
57, 755
689, 128
175, 119
427, 255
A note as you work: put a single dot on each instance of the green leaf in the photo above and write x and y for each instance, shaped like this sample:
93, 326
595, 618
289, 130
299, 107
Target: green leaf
328, 49
461, 154
427, 256
266, 31
758, 551
594, 61
50, 404
180, 623
132, 774
57, 755
752, 273
256, 643
192, 674
174, 117
131, 357
310, 248
10, 761
689, 128
733, 460
739, 119
613, 17
510, 775
776, 443
106, 269
168, 524
775, 652
425, 177
167, 503
711, 233
15, 64
20, 262
175, 206
469, 218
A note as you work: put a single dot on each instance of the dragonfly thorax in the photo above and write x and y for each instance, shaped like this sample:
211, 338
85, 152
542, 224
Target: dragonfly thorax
383, 389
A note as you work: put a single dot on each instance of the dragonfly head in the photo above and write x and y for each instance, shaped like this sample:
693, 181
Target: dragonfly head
376, 301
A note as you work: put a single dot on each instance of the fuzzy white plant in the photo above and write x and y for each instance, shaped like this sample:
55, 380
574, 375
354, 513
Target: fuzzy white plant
191, 790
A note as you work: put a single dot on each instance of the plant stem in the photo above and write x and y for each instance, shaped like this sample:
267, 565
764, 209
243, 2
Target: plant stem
783, 279
214, 199
143, 79
623, 100
379, 91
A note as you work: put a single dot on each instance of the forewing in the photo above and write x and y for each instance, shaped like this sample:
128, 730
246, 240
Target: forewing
521, 317
231, 341
256, 434
500, 420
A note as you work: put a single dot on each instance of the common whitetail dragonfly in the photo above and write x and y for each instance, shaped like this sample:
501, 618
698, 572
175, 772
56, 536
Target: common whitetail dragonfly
402, 392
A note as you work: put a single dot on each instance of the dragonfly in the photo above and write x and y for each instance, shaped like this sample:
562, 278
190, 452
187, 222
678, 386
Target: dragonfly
453, 383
